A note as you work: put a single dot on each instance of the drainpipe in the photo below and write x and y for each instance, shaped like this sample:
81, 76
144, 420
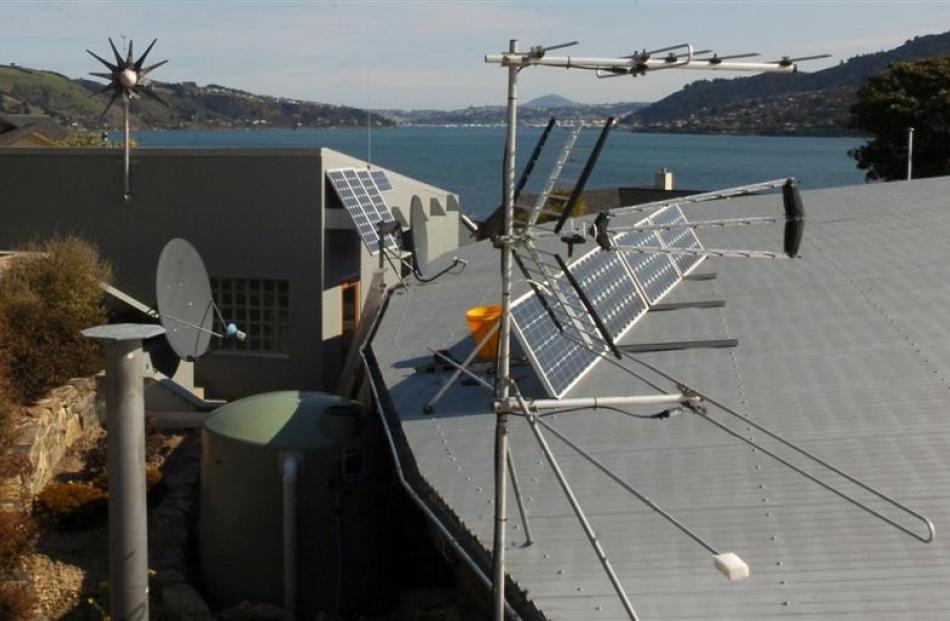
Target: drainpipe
289, 465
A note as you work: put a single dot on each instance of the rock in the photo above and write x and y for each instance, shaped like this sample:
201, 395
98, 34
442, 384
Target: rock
255, 611
184, 603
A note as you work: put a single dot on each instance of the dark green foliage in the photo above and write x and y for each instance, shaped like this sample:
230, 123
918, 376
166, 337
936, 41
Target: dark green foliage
46, 297
906, 95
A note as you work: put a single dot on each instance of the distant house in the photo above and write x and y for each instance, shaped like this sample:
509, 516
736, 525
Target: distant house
29, 130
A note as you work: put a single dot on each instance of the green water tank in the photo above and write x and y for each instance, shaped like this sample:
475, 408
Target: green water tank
342, 541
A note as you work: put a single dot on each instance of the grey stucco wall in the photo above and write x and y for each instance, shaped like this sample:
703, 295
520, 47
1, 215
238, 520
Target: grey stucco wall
251, 214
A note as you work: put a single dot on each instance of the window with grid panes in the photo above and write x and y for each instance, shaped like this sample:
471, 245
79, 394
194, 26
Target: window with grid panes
259, 307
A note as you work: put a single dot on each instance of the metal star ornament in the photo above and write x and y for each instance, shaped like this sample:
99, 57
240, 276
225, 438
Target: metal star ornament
127, 76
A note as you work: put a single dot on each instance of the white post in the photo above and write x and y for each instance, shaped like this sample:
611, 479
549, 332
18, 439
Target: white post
504, 342
910, 152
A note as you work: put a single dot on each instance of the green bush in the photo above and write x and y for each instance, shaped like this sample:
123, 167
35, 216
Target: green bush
71, 506
47, 295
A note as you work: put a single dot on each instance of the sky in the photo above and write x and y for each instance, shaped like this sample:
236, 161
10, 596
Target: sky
422, 54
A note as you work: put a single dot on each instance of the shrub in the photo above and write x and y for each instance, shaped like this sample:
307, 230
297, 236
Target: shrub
17, 536
153, 476
71, 505
16, 602
97, 457
47, 295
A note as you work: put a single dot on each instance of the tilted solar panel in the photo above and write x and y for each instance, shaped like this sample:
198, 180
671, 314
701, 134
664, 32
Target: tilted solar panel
558, 360
679, 238
610, 289
364, 204
381, 180
612, 282
656, 273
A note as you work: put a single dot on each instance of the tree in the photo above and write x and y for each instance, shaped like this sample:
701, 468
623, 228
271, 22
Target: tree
907, 94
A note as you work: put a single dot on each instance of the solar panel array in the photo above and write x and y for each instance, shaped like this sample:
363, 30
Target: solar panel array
621, 286
363, 202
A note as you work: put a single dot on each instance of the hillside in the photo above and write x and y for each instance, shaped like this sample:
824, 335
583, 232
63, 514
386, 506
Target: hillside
495, 115
800, 103
550, 101
32, 91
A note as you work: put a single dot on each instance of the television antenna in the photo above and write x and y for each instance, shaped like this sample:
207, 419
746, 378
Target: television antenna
560, 295
127, 78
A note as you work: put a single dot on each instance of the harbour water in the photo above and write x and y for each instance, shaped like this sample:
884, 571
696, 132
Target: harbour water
468, 160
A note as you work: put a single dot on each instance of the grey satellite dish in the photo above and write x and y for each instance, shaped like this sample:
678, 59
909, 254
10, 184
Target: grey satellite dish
420, 235
185, 306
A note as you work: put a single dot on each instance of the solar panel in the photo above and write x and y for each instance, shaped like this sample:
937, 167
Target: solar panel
612, 282
364, 204
562, 359
610, 289
679, 237
656, 273
381, 180
558, 360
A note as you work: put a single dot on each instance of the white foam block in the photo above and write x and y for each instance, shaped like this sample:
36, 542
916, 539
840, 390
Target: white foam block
731, 566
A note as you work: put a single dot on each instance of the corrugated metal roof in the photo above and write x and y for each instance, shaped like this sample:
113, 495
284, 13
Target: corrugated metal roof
845, 351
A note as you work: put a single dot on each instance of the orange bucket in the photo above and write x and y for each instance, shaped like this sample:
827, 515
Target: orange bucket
481, 319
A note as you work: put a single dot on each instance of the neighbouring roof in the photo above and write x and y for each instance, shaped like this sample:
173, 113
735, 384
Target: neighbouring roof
845, 351
14, 127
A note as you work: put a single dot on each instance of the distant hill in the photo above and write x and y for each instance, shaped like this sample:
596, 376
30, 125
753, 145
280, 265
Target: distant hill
33, 91
800, 103
495, 115
550, 101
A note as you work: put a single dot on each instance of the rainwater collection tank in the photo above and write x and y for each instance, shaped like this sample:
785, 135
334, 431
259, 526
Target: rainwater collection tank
337, 504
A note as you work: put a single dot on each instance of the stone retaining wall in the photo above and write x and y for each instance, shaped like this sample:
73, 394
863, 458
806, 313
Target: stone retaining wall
46, 432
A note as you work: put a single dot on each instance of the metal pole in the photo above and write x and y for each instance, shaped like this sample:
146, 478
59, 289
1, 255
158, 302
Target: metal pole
578, 510
428, 407
910, 152
126, 147
289, 468
501, 388
125, 408
528, 539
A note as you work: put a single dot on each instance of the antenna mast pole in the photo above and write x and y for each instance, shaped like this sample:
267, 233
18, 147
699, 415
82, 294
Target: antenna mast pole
504, 349
127, 185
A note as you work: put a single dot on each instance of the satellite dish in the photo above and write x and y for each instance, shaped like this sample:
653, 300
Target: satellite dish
418, 223
183, 295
